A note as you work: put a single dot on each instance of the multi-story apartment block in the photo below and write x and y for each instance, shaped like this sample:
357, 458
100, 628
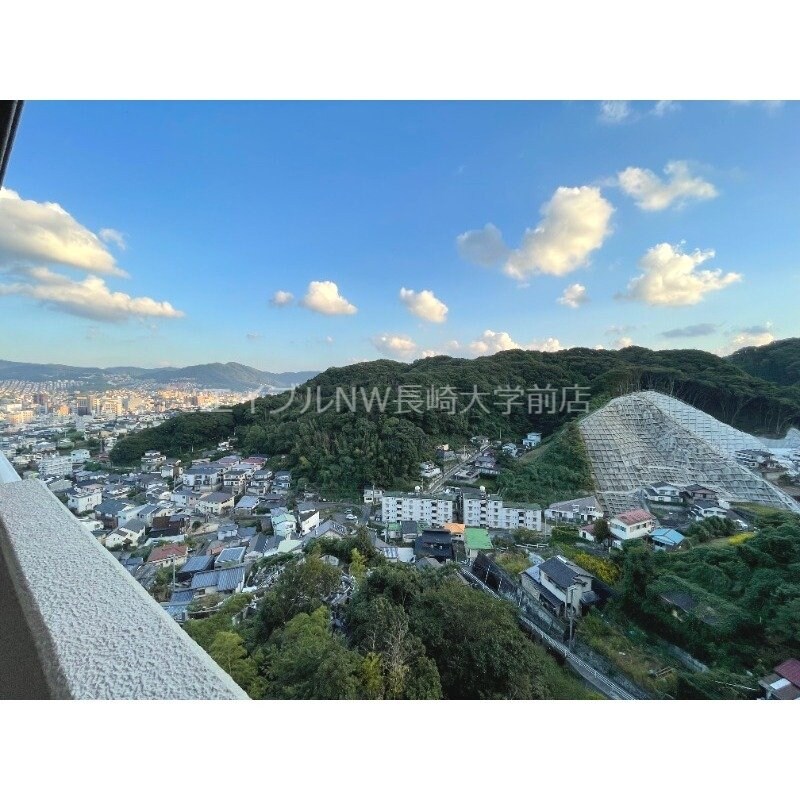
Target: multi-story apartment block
432, 509
482, 510
57, 466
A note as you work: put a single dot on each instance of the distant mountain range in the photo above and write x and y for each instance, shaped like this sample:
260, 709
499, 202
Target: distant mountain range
232, 376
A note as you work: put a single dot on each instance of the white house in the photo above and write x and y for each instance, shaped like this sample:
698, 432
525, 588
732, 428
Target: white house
663, 493
83, 500
581, 510
215, 503
309, 520
372, 495
133, 530
629, 525
79, 456
703, 509
114, 539
284, 524
429, 470
204, 476
532, 440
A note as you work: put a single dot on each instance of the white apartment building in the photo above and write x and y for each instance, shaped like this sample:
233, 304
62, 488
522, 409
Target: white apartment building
57, 466
432, 509
481, 510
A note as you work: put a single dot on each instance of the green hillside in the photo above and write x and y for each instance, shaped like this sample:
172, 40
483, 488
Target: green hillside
340, 452
778, 362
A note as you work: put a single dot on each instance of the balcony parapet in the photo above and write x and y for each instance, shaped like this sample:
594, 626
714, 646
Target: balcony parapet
95, 632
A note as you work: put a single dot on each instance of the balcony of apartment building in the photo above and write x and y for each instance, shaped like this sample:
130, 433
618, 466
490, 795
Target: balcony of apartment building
74, 624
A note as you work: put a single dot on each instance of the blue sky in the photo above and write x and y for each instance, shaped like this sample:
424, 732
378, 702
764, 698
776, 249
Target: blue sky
209, 209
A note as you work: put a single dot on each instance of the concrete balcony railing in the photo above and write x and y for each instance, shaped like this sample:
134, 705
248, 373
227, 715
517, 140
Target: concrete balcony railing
74, 624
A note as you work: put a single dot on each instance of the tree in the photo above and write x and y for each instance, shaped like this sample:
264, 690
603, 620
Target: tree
358, 565
372, 676
601, 531
478, 648
228, 651
301, 588
638, 573
305, 660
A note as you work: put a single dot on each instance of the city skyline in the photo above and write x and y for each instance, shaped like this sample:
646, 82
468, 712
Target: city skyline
307, 235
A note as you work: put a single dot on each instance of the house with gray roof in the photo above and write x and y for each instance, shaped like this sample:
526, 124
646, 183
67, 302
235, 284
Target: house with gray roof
559, 584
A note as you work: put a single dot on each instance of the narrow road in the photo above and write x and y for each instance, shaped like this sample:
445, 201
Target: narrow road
446, 474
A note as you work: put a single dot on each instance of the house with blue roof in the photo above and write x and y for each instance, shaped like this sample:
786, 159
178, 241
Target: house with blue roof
666, 539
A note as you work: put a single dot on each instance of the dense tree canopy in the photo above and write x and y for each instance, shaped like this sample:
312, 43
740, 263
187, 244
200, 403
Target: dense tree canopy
342, 451
741, 600
778, 362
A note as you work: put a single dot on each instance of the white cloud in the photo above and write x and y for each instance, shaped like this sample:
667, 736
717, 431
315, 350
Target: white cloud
575, 222
614, 111
663, 107
751, 340
671, 277
324, 298
651, 193
253, 336
281, 298
623, 341
574, 296
493, 342
754, 336
90, 298
43, 233
620, 329
768, 105
112, 236
484, 247
549, 345
424, 305
395, 345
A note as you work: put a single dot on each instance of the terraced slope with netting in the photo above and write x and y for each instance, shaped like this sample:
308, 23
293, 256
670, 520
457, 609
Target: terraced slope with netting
647, 437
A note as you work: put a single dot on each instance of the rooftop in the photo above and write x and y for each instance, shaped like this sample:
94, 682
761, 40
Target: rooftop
477, 539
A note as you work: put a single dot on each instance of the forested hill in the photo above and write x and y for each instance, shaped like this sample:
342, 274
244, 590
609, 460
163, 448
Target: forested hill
346, 450
231, 376
778, 362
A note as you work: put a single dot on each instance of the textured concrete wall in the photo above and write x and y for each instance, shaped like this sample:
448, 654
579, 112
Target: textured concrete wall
97, 632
